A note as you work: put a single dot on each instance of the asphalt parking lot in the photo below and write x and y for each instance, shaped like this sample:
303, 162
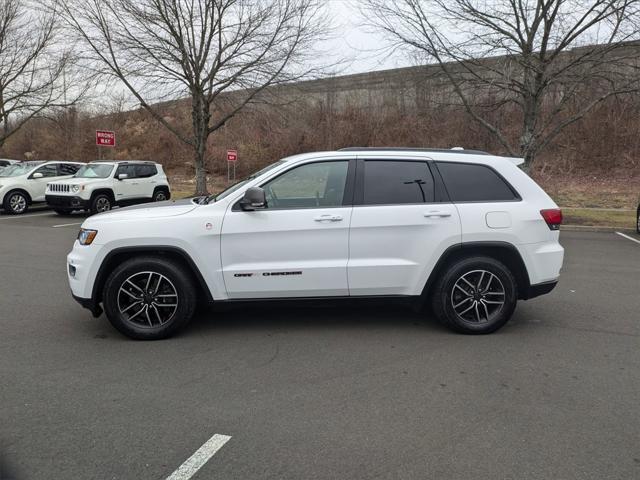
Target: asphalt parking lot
320, 393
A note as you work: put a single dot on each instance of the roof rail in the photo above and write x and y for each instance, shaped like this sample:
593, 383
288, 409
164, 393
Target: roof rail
123, 161
412, 149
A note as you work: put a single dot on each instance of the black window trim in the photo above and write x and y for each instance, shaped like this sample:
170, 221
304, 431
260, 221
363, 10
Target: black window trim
347, 197
44, 165
517, 196
439, 194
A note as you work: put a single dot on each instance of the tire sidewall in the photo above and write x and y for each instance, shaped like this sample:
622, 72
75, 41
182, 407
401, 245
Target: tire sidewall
7, 203
94, 203
468, 265
175, 273
160, 192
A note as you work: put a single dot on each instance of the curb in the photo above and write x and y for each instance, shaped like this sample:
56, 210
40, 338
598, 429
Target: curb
595, 228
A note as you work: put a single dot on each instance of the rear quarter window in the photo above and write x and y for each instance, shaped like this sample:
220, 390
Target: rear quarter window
466, 182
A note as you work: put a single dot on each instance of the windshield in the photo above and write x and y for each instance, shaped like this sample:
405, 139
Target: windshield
238, 185
96, 170
18, 169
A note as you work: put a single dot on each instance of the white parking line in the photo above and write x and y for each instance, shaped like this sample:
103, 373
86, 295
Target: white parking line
65, 225
15, 217
196, 461
628, 237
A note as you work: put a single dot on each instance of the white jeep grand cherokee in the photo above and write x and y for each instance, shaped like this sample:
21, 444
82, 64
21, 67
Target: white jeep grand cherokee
468, 232
99, 186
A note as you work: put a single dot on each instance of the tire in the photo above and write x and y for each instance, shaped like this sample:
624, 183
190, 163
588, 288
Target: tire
638, 221
160, 195
15, 203
159, 316
63, 211
454, 300
101, 203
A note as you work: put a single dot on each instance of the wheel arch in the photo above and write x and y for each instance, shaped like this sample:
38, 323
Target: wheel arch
501, 251
164, 188
21, 190
103, 190
122, 254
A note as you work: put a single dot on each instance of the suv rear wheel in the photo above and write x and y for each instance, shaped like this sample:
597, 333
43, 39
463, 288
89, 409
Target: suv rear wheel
160, 195
638, 221
475, 295
149, 298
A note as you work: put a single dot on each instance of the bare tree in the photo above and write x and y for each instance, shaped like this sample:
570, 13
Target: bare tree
221, 54
33, 66
554, 60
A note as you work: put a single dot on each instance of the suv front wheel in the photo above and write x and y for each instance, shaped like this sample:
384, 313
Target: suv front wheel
475, 295
149, 298
101, 203
15, 203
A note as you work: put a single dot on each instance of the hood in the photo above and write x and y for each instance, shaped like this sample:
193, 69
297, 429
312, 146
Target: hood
77, 181
170, 208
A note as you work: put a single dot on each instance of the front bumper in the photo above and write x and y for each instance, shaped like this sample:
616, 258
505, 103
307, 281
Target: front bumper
539, 289
64, 201
89, 304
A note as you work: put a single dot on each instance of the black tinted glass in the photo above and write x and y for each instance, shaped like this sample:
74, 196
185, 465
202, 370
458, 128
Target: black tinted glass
68, 168
126, 169
48, 170
143, 171
396, 182
474, 183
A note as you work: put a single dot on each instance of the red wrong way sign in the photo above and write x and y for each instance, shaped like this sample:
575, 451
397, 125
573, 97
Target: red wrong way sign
232, 155
105, 138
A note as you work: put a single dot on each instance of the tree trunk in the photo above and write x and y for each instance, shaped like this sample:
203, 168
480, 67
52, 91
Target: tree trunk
200, 115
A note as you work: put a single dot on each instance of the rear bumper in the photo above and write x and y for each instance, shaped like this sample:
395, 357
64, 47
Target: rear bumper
63, 201
539, 289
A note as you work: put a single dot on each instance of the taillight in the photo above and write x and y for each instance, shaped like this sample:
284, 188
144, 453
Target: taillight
553, 217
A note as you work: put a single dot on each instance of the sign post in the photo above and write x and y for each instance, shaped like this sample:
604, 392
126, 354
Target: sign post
232, 158
105, 138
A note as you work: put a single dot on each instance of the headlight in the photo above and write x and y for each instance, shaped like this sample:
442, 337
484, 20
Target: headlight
75, 188
85, 236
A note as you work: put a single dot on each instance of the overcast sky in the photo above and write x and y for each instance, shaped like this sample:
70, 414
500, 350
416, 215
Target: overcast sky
356, 42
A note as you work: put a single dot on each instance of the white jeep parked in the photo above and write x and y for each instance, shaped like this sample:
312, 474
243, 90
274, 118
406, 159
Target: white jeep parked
99, 186
23, 184
467, 232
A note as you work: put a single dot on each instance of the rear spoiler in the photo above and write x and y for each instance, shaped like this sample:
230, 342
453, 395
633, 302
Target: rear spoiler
516, 160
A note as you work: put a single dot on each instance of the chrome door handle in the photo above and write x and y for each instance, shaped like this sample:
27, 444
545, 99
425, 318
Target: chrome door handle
436, 214
328, 218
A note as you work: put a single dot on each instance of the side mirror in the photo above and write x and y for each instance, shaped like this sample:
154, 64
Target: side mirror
37, 175
123, 176
254, 198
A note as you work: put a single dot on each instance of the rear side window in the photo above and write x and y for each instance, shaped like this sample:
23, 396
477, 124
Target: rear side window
467, 182
67, 169
397, 182
145, 171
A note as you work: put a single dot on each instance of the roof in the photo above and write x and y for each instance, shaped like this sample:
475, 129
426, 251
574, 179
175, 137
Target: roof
136, 162
412, 149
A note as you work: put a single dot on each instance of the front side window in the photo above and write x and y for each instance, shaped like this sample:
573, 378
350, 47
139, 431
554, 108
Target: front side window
397, 182
312, 185
126, 169
48, 171
466, 182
